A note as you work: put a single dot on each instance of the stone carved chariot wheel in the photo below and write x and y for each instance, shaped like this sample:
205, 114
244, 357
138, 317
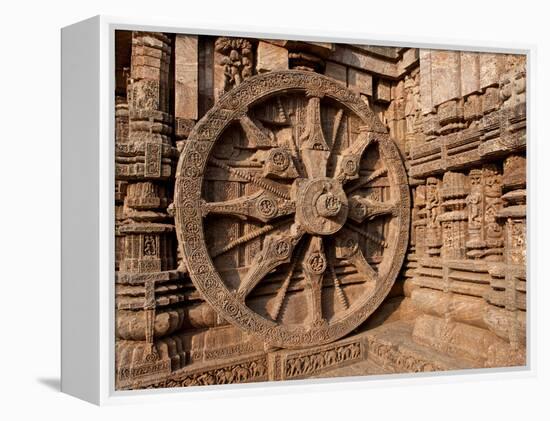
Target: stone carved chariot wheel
292, 208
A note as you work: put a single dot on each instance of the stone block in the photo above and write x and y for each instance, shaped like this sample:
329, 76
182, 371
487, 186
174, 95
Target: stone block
469, 72
336, 71
454, 338
360, 82
364, 61
426, 81
490, 66
186, 77
271, 57
445, 75
383, 90
409, 59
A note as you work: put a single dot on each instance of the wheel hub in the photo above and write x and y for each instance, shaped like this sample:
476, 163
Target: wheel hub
321, 205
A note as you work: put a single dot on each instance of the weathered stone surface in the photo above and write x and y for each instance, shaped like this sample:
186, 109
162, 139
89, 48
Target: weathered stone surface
426, 81
362, 60
490, 66
469, 73
445, 68
383, 90
280, 246
271, 57
360, 82
337, 72
409, 59
186, 77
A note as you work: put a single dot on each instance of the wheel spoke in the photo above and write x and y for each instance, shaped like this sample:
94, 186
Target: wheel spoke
281, 294
336, 127
278, 163
314, 149
268, 185
314, 265
362, 181
277, 249
363, 267
338, 287
256, 135
371, 237
262, 206
347, 247
248, 237
361, 208
348, 162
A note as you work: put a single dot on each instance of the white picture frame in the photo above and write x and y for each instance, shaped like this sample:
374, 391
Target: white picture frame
88, 216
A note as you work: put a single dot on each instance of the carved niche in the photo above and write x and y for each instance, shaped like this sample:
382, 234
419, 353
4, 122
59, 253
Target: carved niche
292, 206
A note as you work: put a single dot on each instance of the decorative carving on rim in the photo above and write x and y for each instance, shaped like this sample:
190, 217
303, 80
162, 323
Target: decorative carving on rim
307, 224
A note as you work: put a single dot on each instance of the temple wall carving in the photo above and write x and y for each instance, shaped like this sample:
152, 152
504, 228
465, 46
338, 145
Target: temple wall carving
473, 108
458, 120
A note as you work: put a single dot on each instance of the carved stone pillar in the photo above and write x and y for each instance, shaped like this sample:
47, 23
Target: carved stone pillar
186, 89
453, 219
419, 220
413, 121
433, 225
395, 114
121, 138
485, 235
508, 279
144, 161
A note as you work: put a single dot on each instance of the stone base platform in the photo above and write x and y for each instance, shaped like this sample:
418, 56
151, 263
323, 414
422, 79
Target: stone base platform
385, 349
391, 349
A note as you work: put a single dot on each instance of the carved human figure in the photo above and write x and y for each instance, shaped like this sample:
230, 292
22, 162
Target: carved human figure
433, 228
485, 233
474, 202
412, 107
493, 203
149, 246
432, 199
474, 210
237, 60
